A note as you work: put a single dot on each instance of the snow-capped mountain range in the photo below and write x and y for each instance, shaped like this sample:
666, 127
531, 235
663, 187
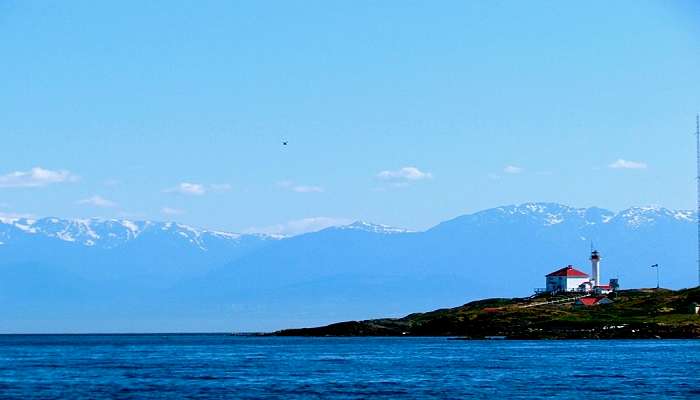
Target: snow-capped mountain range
110, 233
553, 214
161, 274
107, 233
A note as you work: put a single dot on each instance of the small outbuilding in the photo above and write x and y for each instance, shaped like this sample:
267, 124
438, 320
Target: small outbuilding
604, 301
586, 302
592, 301
694, 308
603, 289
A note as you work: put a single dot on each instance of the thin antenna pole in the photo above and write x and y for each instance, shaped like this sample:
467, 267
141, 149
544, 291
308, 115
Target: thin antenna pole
697, 157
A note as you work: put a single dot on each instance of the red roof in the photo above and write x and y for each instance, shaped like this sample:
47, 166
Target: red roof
604, 286
569, 272
587, 301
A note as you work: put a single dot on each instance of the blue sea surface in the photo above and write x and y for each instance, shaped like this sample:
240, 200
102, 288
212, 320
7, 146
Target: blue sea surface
222, 366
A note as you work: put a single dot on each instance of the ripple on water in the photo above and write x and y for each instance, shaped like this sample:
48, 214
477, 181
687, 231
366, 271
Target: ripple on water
200, 366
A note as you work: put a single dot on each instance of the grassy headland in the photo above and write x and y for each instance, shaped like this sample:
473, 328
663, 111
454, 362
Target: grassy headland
638, 313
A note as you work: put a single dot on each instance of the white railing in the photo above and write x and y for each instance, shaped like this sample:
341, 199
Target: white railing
557, 301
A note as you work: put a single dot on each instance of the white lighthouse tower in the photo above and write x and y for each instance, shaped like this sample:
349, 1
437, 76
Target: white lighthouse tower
595, 264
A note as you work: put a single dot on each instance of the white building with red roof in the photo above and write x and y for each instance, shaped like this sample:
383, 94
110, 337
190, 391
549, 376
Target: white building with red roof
570, 279
567, 279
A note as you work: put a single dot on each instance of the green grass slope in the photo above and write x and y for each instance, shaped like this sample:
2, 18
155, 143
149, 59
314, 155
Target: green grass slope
638, 313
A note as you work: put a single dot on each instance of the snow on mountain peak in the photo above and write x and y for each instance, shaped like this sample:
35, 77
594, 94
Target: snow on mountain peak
374, 228
685, 215
25, 225
536, 208
554, 214
639, 216
131, 226
108, 233
550, 213
227, 235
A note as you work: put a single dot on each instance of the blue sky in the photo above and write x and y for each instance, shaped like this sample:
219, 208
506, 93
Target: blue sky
399, 112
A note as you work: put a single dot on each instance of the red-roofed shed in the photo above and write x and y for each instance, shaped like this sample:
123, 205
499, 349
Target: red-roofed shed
587, 301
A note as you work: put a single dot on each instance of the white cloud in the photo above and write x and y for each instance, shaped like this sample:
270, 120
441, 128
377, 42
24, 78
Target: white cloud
9, 217
198, 189
188, 188
626, 164
512, 169
17, 215
35, 177
307, 189
290, 185
98, 201
301, 226
405, 174
171, 211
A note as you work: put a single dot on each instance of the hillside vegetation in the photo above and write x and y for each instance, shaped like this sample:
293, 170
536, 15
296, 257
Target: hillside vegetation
640, 313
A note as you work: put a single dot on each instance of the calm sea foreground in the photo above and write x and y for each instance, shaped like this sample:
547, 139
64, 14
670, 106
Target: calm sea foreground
221, 366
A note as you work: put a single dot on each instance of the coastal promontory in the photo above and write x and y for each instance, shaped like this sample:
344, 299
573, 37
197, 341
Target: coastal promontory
629, 314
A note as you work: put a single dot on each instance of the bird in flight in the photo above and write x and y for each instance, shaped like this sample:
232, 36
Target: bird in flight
285, 142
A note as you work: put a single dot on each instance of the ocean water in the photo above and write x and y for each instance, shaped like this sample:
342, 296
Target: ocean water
221, 366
